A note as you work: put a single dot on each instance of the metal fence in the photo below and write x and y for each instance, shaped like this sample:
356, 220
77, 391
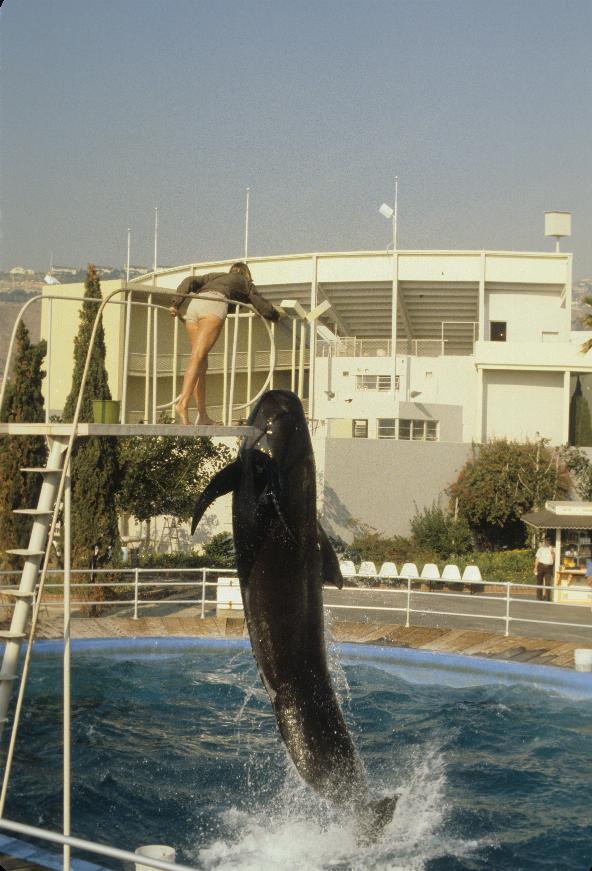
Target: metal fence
138, 590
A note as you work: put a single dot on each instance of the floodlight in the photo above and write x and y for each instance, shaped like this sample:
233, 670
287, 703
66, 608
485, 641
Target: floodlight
386, 211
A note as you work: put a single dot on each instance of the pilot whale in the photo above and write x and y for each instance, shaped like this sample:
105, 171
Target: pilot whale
283, 558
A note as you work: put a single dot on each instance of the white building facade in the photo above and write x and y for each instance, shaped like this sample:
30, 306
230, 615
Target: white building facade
416, 355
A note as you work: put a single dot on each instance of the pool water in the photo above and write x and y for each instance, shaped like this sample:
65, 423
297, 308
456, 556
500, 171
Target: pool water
178, 745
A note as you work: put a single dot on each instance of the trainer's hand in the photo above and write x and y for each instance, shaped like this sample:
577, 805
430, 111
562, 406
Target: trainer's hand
173, 311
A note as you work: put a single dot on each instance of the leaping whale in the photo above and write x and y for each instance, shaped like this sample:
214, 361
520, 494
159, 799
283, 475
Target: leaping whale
283, 558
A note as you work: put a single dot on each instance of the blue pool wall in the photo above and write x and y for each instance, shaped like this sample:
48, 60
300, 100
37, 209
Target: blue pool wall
419, 665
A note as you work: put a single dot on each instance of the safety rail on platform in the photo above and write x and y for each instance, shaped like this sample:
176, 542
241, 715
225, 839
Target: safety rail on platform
152, 364
136, 579
457, 339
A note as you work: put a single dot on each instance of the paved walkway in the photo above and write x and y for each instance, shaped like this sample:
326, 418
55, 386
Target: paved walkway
467, 642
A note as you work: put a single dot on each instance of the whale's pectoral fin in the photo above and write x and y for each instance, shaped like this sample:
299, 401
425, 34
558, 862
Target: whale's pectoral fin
224, 482
331, 573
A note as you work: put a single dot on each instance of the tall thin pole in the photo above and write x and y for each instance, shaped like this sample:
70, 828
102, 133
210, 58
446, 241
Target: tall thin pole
395, 289
129, 247
248, 193
396, 215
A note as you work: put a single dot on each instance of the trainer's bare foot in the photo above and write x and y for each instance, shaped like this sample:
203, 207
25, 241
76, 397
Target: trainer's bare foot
182, 414
205, 420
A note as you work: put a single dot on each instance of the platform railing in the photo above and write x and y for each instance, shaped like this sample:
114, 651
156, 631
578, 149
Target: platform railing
153, 365
143, 584
87, 846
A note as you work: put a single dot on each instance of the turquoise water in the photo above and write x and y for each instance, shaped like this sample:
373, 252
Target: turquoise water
178, 745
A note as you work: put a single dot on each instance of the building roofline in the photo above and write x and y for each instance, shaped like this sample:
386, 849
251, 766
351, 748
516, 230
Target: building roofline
550, 255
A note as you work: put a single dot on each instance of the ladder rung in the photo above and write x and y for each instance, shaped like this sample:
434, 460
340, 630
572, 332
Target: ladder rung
7, 676
43, 470
18, 551
7, 635
18, 594
34, 512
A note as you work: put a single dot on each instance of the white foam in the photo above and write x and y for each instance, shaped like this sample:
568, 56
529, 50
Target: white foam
297, 831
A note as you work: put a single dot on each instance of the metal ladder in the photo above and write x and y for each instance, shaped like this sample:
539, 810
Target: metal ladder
42, 517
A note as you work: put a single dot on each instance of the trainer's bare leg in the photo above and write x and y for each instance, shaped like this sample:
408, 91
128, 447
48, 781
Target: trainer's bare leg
202, 336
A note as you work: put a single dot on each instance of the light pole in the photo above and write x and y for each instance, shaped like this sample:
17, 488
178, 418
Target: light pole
248, 193
386, 211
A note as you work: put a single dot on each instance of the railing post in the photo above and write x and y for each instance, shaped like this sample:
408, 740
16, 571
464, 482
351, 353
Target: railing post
203, 593
136, 589
508, 585
408, 602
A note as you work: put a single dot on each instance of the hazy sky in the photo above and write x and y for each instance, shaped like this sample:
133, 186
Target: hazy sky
483, 110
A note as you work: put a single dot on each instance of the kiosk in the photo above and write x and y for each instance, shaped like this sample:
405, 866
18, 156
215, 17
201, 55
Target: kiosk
571, 523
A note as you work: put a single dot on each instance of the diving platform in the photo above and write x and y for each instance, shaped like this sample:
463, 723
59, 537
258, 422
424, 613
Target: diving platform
123, 430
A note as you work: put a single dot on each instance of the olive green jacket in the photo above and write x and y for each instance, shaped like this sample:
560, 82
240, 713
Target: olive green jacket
234, 286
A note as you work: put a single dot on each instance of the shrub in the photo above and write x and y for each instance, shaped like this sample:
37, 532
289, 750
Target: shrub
438, 531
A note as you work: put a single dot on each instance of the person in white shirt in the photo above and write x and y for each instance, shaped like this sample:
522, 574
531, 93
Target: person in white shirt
544, 569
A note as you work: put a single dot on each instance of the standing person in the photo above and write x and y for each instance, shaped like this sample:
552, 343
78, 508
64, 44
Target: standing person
204, 320
544, 566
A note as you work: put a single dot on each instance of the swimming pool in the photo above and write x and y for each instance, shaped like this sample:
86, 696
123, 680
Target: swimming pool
174, 742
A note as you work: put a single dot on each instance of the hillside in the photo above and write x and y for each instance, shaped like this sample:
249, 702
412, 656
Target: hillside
8, 315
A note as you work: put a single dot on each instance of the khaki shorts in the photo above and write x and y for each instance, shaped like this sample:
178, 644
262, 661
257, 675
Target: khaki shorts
215, 304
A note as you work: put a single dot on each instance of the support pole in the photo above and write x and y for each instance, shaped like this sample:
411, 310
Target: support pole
293, 372
48, 358
126, 345
249, 358
225, 372
235, 317
155, 366
175, 360
147, 366
301, 360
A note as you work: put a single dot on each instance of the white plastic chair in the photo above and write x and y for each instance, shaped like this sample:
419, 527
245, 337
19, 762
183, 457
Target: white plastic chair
367, 570
348, 569
430, 572
409, 571
388, 572
471, 574
451, 574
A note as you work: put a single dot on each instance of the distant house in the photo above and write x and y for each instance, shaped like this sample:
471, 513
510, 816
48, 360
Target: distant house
21, 270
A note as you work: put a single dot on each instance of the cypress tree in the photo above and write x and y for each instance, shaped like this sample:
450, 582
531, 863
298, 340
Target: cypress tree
23, 403
95, 470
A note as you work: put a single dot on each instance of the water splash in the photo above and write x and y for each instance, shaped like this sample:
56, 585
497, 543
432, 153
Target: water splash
297, 830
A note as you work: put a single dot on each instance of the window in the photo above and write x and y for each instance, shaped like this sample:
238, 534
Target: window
404, 430
431, 430
386, 428
360, 429
373, 382
408, 429
497, 331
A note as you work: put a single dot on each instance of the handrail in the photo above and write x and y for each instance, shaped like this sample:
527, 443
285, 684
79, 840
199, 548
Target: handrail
91, 846
132, 578
251, 311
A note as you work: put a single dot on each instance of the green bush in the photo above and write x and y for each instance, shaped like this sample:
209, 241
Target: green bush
437, 531
219, 551
515, 566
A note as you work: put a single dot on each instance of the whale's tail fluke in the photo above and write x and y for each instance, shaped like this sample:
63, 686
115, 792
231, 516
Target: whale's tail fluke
377, 814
